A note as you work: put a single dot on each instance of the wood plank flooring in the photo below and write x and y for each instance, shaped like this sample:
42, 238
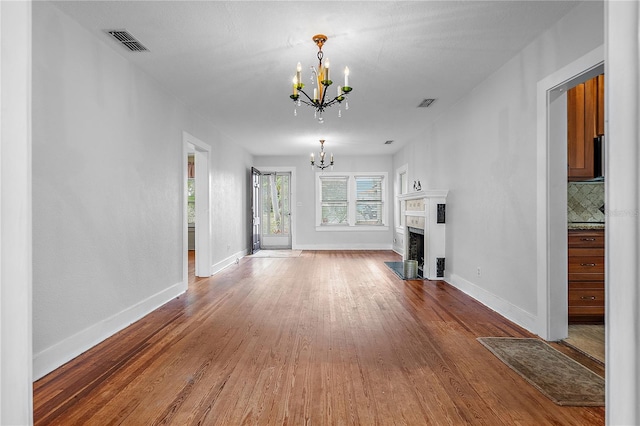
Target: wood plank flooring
328, 337
588, 338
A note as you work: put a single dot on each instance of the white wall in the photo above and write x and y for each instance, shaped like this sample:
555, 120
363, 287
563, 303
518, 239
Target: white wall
484, 151
108, 190
15, 214
306, 235
623, 213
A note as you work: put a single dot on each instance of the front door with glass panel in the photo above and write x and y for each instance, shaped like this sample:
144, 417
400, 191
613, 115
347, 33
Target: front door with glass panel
276, 210
256, 210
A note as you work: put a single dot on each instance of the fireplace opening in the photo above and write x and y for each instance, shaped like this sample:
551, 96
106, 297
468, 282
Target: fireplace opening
416, 248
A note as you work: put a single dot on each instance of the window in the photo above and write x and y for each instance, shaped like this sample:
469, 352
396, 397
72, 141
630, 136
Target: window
351, 201
335, 201
401, 188
369, 200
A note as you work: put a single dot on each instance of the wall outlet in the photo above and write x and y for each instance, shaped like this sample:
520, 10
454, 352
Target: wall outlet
479, 271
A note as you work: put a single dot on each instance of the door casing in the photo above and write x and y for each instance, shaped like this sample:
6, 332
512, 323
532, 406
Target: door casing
551, 229
203, 234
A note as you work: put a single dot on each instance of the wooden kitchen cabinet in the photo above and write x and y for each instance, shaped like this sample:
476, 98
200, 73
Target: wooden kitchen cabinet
600, 111
586, 276
585, 121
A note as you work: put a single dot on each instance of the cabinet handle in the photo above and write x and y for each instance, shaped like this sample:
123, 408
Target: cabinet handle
588, 264
588, 297
587, 239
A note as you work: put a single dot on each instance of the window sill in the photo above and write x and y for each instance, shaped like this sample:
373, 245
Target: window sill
351, 228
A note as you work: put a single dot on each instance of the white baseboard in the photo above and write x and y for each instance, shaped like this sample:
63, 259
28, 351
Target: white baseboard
364, 246
224, 263
64, 351
506, 309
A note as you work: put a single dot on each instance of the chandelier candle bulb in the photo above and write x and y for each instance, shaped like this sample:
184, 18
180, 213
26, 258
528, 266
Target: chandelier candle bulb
346, 76
326, 74
298, 69
295, 86
315, 94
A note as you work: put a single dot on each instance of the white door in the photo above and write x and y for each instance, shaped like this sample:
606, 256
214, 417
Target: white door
276, 210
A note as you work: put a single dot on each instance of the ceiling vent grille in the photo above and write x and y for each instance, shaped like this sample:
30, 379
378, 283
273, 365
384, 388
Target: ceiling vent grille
426, 103
127, 40
389, 142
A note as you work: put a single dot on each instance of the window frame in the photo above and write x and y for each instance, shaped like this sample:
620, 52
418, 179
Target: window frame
351, 202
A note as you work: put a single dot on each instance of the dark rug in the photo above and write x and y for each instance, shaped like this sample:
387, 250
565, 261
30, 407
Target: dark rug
397, 267
558, 377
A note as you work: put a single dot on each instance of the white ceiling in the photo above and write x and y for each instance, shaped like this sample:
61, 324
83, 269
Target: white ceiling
233, 61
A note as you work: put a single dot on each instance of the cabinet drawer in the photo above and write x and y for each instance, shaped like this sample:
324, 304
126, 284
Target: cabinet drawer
586, 239
586, 265
586, 261
586, 297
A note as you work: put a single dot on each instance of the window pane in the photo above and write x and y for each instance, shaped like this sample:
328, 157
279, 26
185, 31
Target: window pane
334, 214
369, 188
368, 213
334, 200
334, 189
403, 183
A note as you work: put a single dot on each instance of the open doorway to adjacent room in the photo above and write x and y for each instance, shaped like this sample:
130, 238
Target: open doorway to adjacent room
197, 217
566, 292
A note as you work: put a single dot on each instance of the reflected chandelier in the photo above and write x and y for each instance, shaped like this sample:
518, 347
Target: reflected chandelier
322, 164
321, 79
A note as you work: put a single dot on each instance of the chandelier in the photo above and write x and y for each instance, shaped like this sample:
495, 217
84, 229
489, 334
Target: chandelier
322, 164
321, 79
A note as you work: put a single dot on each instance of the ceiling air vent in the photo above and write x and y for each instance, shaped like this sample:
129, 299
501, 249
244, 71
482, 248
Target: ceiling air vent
426, 103
389, 142
127, 40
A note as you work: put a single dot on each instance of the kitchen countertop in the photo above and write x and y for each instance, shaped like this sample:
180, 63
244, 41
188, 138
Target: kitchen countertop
585, 225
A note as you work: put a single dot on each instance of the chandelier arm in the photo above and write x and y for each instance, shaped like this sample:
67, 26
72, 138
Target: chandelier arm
305, 102
324, 94
310, 100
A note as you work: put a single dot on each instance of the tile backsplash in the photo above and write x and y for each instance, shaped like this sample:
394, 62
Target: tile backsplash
585, 202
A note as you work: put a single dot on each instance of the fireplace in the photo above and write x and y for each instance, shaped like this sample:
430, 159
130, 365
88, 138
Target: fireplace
424, 231
415, 248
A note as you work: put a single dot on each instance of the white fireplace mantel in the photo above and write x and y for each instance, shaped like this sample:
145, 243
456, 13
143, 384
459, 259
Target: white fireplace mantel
421, 212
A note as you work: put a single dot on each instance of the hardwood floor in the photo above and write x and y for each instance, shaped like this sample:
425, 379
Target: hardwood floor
588, 338
325, 338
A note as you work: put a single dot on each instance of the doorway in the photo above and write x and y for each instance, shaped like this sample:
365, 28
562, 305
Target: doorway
552, 193
196, 210
273, 221
275, 213
256, 207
